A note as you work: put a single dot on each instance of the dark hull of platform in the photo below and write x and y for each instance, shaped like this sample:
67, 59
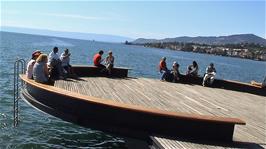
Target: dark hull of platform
121, 120
93, 71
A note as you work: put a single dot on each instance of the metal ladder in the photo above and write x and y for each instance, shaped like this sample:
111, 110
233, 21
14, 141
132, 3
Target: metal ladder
19, 68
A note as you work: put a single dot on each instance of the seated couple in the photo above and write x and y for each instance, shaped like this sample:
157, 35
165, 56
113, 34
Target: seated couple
59, 67
172, 75
109, 61
38, 69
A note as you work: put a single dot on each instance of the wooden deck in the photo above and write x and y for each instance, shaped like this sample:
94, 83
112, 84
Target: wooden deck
181, 98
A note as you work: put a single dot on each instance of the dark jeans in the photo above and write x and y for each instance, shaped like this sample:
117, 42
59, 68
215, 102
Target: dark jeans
56, 69
165, 74
67, 68
100, 66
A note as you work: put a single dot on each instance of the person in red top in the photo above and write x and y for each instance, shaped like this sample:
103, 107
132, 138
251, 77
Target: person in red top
97, 59
163, 68
162, 65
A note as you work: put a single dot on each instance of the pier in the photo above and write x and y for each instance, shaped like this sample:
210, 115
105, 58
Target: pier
184, 98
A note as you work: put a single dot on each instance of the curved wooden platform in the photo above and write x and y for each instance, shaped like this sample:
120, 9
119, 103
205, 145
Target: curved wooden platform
182, 98
124, 118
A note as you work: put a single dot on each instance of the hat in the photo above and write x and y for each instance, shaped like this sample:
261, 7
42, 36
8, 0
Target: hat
110, 52
36, 53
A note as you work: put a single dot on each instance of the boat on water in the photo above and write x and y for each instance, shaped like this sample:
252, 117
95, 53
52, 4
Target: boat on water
137, 107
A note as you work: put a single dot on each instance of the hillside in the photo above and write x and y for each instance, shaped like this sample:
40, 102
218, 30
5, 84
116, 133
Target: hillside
211, 40
73, 35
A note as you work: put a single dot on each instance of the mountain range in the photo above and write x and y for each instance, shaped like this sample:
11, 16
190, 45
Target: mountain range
210, 40
73, 35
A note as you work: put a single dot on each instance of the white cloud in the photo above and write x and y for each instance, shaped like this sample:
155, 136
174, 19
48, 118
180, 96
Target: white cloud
75, 16
71, 16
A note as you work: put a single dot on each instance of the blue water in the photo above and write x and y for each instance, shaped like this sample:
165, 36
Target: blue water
39, 130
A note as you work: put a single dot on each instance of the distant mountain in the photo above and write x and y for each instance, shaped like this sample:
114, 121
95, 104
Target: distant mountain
73, 35
212, 40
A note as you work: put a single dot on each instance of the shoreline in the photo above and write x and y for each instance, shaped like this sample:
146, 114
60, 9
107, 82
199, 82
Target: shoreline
216, 51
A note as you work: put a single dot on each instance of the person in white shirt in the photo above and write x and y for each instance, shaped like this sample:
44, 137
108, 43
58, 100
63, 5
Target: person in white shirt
54, 64
210, 73
53, 56
65, 59
109, 62
29, 71
175, 72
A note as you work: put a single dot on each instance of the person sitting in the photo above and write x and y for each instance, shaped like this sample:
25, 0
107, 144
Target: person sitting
193, 69
163, 69
97, 59
263, 84
175, 72
54, 64
109, 62
209, 75
40, 69
31, 63
65, 60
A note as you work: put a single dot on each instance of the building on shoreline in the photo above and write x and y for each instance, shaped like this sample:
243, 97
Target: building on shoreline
246, 51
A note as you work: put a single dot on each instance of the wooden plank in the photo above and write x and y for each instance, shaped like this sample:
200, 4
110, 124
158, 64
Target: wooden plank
193, 99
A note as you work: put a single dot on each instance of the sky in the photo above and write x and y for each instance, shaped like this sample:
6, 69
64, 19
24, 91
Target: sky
139, 19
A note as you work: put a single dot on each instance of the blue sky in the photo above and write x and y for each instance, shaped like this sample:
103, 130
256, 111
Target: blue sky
148, 19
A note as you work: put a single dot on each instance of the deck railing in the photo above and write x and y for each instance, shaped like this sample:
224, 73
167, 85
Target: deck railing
19, 68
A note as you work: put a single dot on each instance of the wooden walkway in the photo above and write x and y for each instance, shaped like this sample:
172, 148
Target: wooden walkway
181, 98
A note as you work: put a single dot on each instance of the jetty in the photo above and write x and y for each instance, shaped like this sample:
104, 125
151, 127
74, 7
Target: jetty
165, 115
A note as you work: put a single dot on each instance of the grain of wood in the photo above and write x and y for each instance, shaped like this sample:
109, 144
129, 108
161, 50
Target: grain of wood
181, 98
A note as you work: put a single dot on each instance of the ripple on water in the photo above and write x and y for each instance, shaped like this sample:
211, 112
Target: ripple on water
39, 130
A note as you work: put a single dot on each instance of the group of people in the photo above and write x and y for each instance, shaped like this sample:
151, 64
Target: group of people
45, 69
173, 75
105, 64
166, 74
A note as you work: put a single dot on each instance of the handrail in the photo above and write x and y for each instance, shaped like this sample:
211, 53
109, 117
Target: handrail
19, 68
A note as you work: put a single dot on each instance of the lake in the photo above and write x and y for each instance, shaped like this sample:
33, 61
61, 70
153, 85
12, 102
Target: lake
39, 130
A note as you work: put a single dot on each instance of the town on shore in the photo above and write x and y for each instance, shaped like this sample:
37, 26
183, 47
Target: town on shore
241, 50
